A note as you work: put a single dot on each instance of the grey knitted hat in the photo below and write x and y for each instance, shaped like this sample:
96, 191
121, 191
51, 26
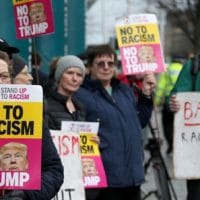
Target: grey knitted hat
67, 62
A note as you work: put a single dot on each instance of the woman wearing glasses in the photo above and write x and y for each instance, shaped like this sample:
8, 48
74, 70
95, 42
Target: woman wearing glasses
121, 120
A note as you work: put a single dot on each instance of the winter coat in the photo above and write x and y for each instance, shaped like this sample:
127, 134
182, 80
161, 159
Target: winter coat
120, 129
52, 174
57, 111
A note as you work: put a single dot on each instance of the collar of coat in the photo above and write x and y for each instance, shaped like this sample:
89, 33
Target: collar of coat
63, 99
96, 84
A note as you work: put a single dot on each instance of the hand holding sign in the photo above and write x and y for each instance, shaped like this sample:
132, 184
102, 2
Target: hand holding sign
149, 84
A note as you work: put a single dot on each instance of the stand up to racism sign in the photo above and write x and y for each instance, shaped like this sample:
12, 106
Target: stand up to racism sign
21, 114
33, 17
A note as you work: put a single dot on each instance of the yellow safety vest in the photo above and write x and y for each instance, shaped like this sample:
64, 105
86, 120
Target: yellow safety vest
166, 82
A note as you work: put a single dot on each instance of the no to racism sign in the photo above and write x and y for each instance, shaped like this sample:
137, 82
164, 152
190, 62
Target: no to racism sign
139, 44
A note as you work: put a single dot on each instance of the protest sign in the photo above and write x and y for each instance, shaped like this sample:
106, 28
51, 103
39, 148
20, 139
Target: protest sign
93, 170
33, 17
139, 44
186, 159
21, 115
68, 148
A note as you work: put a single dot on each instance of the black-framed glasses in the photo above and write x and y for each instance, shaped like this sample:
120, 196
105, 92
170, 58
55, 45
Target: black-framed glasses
102, 64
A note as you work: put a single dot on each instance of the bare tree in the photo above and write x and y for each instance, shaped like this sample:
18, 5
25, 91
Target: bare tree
186, 15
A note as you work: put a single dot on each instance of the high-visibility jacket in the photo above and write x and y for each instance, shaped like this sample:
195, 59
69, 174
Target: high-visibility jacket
166, 83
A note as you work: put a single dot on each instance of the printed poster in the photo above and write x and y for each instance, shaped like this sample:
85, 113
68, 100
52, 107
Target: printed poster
92, 166
68, 147
21, 115
139, 44
33, 18
186, 153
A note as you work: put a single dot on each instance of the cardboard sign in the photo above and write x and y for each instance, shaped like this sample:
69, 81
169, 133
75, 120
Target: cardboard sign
139, 44
68, 148
33, 17
186, 159
21, 114
92, 166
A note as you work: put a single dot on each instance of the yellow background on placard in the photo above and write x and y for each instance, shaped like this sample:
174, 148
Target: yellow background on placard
151, 29
89, 143
32, 111
17, 2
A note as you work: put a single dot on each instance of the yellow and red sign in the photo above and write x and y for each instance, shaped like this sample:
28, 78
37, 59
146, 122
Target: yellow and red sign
139, 44
21, 114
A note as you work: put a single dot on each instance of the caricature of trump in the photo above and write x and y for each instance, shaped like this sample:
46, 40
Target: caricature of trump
13, 157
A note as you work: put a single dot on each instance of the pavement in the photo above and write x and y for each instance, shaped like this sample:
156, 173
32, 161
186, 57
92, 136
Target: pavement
151, 183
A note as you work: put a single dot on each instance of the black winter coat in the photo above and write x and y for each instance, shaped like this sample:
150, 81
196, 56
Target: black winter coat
57, 111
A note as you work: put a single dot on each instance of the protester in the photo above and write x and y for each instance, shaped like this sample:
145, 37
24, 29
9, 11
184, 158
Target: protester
52, 169
5, 68
62, 106
165, 84
188, 80
20, 73
69, 75
113, 105
13, 157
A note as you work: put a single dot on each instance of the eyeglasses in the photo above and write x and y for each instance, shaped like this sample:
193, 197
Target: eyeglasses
4, 77
102, 64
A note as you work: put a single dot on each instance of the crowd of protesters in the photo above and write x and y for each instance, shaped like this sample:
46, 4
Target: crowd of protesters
92, 91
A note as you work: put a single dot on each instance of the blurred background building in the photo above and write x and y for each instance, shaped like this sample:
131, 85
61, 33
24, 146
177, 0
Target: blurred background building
80, 23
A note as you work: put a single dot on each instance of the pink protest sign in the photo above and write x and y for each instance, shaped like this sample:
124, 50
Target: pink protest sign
21, 114
93, 172
20, 167
139, 44
33, 18
92, 166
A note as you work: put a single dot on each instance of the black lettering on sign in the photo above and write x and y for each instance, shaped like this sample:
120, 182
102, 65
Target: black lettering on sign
16, 127
190, 137
87, 149
65, 194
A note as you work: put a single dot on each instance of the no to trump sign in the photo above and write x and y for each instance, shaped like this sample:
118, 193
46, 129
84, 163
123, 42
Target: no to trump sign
33, 17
